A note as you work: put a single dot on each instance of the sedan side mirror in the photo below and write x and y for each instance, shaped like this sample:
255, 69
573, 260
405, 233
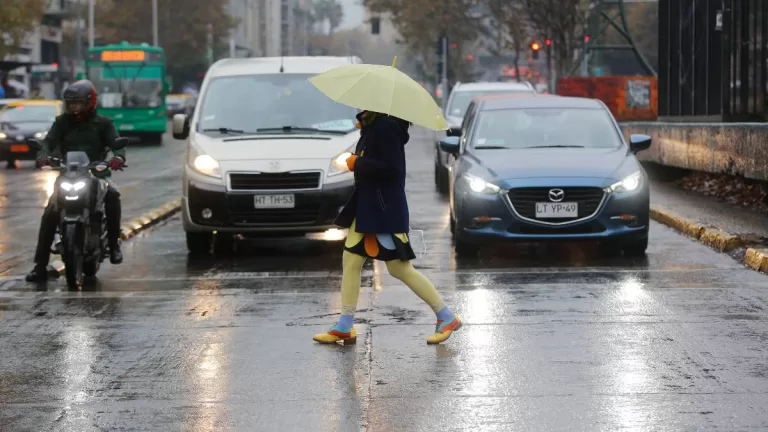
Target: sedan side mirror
454, 132
639, 142
120, 143
35, 145
180, 126
450, 145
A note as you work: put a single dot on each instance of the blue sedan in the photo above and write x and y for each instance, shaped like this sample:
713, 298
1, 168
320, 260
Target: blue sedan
546, 168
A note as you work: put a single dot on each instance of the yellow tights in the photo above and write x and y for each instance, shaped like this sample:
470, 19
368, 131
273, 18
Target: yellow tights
402, 270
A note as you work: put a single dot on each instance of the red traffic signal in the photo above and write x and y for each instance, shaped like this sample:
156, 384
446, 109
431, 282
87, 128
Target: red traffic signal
548, 42
454, 45
586, 38
535, 46
470, 57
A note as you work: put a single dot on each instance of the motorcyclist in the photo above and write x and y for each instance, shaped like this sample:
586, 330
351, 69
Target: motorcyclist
80, 128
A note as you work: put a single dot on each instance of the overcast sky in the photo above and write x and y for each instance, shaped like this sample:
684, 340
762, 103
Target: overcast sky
353, 13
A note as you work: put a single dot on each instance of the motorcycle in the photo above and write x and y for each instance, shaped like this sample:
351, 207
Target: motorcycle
82, 226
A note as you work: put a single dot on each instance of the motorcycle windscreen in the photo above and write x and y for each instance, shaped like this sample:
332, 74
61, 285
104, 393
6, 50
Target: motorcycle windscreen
77, 160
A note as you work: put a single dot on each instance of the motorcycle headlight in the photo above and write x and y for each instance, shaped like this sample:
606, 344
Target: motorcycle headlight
67, 186
41, 135
203, 163
481, 186
339, 163
629, 183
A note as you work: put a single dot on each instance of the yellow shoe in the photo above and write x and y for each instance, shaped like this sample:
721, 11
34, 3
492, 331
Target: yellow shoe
444, 330
335, 335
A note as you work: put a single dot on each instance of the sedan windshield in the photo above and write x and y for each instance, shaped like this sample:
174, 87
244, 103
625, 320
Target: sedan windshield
545, 128
250, 103
461, 99
28, 114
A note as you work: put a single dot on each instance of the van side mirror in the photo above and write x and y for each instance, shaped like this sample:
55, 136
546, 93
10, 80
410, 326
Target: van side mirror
454, 132
180, 126
639, 142
450, 145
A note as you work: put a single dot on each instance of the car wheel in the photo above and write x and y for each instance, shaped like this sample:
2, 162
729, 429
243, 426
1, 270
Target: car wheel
465, 249
636, 248
442, 183
452, 224
199, 243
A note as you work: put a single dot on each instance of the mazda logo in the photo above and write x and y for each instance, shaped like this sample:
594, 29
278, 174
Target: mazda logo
556, 195
20, 138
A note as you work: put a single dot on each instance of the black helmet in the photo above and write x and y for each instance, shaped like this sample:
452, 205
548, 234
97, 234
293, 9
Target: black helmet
80, 99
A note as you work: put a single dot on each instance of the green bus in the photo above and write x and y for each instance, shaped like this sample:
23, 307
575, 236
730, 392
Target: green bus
131, 82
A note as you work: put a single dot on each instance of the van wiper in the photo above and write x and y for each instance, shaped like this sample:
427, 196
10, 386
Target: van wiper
557, 146
490, 147
289, 129
223, 130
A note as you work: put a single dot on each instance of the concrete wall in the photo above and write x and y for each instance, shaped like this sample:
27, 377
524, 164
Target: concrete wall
733, 148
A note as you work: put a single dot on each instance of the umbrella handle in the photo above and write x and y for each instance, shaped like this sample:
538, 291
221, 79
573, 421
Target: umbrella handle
394, 62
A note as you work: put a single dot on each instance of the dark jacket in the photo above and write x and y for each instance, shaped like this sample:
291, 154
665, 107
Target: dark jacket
94, 136
378, 202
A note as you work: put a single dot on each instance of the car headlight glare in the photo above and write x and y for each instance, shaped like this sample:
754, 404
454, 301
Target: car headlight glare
203, 163
41, 135
628, 183
481, 186
3, 136
339, 163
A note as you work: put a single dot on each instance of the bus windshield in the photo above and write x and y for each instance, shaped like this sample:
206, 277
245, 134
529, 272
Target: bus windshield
128, 86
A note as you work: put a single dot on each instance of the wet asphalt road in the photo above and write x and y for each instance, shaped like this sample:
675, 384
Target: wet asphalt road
556, 338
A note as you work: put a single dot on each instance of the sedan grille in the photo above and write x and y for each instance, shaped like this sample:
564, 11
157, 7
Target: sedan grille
275, 181
524, 200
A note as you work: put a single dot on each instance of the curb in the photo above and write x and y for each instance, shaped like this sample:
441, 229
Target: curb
721, 241
137, 225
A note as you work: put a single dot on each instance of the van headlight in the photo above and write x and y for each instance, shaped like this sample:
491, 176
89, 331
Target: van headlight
41, 135
203, 163
629, 183
339, 163
479, 185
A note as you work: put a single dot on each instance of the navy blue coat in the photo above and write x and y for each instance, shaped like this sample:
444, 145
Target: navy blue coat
378, 203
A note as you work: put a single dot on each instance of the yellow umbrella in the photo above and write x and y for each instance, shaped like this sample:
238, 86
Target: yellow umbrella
381, 89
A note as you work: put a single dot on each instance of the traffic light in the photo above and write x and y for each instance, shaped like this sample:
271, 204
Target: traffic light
535, 48
548, 42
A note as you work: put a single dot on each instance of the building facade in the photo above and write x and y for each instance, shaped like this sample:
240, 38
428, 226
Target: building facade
270, 28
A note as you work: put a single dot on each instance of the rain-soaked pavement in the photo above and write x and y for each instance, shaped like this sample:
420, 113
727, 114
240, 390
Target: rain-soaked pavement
555, 339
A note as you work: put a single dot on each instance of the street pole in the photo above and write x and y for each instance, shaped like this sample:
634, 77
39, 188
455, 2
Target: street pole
91, 13
154, 23
209, 43
444, 77
79, 36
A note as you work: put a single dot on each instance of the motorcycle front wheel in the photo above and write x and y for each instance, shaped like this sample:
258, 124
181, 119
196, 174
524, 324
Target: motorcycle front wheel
72, 241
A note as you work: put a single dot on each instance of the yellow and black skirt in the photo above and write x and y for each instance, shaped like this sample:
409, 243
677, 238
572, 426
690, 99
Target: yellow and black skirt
382, 247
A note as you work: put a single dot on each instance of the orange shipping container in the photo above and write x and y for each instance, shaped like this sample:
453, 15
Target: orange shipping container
630, 98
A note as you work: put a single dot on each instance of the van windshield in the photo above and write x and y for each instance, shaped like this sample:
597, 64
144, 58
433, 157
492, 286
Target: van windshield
249, 103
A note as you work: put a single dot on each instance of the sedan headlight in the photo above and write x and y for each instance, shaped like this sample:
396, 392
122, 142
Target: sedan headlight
628, 183
339, 163
41, 135
3, 136
481, 186
203, 163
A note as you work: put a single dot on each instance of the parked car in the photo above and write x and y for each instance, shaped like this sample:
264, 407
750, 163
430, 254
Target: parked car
266, 151
546, 168
458, 101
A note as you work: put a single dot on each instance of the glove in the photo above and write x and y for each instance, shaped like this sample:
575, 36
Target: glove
40, 163
116, 163
351, 162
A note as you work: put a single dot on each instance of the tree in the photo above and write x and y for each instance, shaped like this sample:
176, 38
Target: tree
422, 22
561, 21
330, 11
506, 25
183, 36
17, 19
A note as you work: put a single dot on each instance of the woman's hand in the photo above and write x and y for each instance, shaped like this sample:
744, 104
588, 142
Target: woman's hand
351, 162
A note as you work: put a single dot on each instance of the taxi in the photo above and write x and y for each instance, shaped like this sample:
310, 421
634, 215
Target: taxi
22, 121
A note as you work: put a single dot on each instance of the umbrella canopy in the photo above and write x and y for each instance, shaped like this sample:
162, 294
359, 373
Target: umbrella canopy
382, 89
